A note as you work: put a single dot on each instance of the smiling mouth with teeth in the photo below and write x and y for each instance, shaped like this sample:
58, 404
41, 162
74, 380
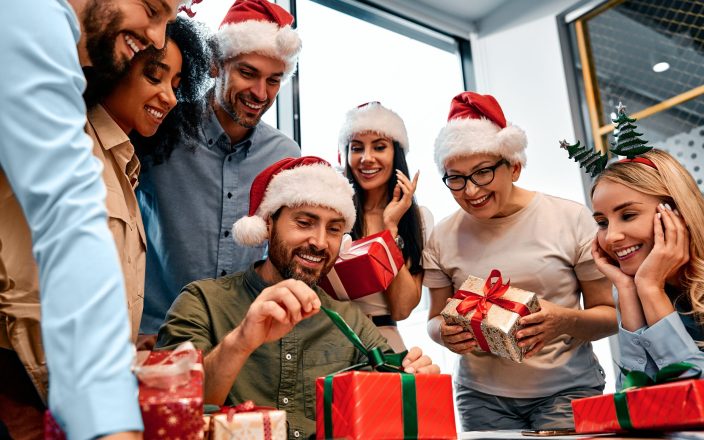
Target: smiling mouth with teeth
253, 106
479, 201
311, 258
374, 171
154, 112
132, 44
623, 253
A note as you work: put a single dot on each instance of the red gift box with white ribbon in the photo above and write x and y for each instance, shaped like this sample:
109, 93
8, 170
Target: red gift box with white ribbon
368, 266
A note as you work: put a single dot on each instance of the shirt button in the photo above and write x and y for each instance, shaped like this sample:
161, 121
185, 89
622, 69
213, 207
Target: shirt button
210, 142
296, 434
285, 400
229, 195
227, 233
641, 361
288, 356
636, 341
646, 343
223, 273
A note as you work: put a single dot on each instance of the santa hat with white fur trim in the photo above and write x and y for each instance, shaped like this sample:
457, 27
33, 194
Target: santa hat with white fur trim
374, 117
476, 124
259, 26
290, 182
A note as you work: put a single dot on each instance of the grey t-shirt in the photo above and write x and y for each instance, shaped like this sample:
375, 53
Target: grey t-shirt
544, 248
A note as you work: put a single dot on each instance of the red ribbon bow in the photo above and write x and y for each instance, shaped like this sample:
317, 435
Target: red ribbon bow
482, 304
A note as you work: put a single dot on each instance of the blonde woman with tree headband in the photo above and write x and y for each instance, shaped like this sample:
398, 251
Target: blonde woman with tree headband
650, 244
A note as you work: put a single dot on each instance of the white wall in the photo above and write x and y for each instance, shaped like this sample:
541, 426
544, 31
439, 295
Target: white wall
518, 60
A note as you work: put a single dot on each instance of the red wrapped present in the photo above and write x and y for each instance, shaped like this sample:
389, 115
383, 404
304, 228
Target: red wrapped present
359, 405
171, 394
52, 430
368, 266
669, 406
388, 404
491, 312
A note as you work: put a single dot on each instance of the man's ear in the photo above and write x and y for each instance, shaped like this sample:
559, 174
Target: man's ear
269, 223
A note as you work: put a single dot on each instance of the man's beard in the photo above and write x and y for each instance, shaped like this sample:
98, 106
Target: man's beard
281, 257
229, 107
101, 24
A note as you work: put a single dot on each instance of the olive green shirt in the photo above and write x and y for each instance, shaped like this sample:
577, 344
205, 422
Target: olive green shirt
281, 374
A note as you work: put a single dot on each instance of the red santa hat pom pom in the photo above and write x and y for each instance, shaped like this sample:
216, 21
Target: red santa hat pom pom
476, 124
250, 231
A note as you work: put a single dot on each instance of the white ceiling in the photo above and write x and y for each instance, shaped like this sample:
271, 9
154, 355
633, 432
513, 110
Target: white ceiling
470, 10
456, 17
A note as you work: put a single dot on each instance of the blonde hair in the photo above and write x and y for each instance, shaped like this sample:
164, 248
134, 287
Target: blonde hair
673, 184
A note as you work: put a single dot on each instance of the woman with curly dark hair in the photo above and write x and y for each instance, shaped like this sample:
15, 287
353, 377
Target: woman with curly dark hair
184, 120
140, 104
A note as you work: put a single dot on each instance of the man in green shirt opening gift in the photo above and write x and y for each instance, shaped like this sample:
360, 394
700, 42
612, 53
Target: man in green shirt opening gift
260, 329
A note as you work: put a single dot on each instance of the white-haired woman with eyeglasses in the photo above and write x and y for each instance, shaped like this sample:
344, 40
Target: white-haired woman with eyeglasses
542, 244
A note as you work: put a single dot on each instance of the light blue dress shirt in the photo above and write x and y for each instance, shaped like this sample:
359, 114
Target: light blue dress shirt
48, 161
189, 204
672, 339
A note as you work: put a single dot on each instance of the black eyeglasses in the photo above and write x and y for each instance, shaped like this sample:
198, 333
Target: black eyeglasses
481, 177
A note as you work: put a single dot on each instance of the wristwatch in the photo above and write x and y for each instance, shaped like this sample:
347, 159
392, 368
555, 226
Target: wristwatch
399, 241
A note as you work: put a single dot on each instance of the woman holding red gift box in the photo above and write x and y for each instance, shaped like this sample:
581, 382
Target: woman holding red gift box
373, 144
650, 244
542, 244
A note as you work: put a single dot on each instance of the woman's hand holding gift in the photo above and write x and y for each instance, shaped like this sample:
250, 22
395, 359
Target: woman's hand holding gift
543, 326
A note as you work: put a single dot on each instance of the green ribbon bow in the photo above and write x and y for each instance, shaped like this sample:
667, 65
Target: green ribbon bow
379, 361
638, 379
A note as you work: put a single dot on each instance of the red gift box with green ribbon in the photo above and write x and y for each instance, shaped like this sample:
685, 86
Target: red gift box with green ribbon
367, 266
384, 404
671, 401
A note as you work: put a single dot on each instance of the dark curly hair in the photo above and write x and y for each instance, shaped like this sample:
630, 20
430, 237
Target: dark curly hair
409, 228
184, 121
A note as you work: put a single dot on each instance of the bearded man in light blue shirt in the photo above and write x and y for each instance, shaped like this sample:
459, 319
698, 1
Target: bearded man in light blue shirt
48, 169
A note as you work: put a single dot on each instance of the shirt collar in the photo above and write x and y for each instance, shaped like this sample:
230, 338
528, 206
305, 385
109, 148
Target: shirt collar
253, 280
257, 283
111, 138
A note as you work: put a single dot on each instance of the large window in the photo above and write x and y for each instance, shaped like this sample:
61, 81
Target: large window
648, 54
347, 61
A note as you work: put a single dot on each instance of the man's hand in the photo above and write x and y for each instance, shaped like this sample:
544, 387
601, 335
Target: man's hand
275, 312
417, 363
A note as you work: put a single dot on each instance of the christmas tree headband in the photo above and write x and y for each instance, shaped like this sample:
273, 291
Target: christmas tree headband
627, 143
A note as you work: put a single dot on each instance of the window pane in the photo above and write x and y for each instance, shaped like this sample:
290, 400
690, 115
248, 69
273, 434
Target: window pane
346, 62
646, 51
